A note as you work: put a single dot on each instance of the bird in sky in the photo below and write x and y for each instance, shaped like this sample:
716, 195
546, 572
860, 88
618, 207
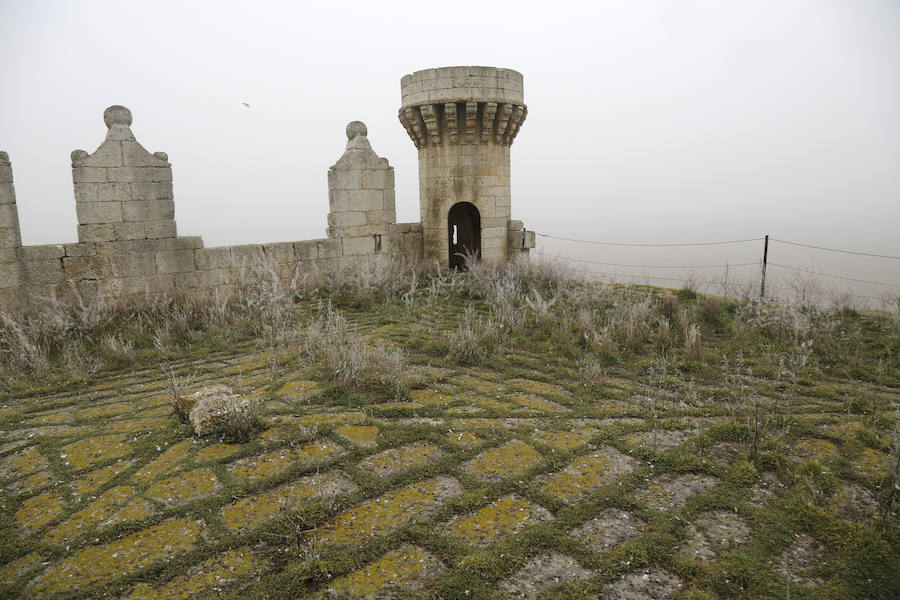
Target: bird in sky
245, 104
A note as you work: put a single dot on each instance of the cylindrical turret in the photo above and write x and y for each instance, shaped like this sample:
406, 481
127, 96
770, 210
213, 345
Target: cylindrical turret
463, 121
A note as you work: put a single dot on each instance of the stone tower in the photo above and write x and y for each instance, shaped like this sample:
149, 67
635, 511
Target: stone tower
463, 121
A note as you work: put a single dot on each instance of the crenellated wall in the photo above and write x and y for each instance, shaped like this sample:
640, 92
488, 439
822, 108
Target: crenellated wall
129, 250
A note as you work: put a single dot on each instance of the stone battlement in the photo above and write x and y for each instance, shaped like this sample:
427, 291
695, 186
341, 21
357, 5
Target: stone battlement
128, 248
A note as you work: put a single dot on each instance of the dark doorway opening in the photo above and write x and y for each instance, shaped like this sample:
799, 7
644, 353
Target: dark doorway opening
464, 232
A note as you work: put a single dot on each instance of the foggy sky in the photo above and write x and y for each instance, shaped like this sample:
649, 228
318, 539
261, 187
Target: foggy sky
648, 121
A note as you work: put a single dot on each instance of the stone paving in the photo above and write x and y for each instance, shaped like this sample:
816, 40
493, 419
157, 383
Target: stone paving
106, 493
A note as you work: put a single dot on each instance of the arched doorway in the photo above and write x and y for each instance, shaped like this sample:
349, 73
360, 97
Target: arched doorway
464, 233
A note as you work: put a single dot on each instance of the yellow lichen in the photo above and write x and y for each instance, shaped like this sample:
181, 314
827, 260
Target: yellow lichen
51, 418
106, 410
468, 382
507, 460
185, 487
299, 390
396, 405
538, 387
120, 557
565, 440
90, 451
431, 397
33, 482
137, 509
223, 568
403, 570
132, 425
464, 439
22, 463
872, 463
215, 452
361, 435
262, 466
814, 449
501, 518
379, 516
316, 418
93, 513
159, 411
538, 403
164, 463
588, 472
11, 572
96, 479
38, 511
254, 510
399, 459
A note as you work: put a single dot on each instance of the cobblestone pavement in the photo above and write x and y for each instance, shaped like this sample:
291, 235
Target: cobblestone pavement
510, 483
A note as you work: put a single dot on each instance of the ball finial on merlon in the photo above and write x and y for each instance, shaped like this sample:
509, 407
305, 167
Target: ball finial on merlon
117, 115
356, 128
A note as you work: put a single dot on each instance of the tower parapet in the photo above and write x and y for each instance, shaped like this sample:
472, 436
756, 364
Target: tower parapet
463, 120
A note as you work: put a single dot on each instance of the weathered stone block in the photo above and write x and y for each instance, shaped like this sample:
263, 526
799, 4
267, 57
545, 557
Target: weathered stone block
358, 246
135, 155
282, 252
10, 237
175, 261
148, 210
113, 248
200, 279
130, 231
365, 200
213, 258
99, 212
109, 154
189, 242
113, 192
43, 252
160, 229
150, 245
149, 284
86, 267
96, 233
339, 200
327, 249
80, 249
8, 255
11, 275
134, 264
305, 251
347, 219
377, 179
350, 179
88, 175
7, 193
247, 255
152, 191
380, 217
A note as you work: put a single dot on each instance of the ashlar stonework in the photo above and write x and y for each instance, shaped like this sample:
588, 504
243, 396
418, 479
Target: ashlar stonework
462, 121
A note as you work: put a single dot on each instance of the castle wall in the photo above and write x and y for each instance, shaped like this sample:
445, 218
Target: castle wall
462, 120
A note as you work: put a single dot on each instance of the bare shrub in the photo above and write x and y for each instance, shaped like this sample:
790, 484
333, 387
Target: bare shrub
668, 306
692, 343
349, 358
632, 325
663, 337
475, 338
120, 349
